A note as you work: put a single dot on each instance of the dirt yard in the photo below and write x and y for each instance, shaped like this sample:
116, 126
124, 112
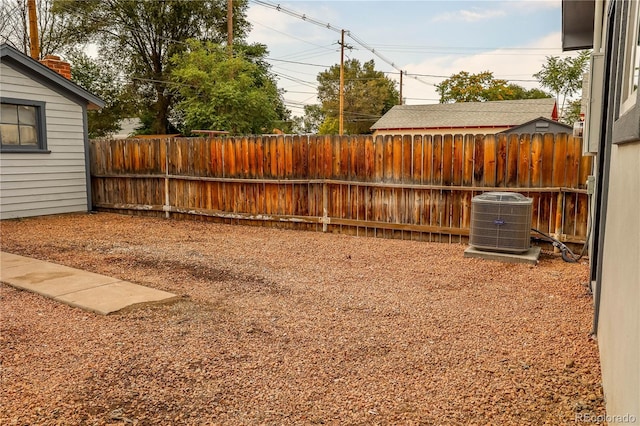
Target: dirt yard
282, 327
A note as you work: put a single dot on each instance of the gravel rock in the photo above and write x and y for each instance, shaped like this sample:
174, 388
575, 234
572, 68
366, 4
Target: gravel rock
287, 327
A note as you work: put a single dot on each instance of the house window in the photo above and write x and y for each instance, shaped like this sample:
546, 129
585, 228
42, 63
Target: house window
22, 126
631, 59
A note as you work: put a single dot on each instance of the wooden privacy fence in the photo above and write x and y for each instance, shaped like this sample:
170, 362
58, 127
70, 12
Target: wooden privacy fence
417, 187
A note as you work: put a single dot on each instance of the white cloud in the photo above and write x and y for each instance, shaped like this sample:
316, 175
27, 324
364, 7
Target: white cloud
499, 9
511, 65
473, 15
528, 6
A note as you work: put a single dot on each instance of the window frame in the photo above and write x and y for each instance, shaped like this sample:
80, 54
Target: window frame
626, 125
41, 126
631, 58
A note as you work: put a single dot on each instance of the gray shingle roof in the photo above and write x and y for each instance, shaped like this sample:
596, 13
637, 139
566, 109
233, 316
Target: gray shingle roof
466, 114
52, 79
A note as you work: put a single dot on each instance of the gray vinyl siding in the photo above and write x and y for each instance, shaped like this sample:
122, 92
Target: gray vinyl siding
34, 184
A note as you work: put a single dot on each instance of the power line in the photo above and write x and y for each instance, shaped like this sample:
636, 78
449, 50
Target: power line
276, 67
415, 77
515, 51
298, 63
334, 110
297, 15
307, 54
464, 47
406, 73
449, 76
288, 35
372, 50
296, 80
328, 26
301, 92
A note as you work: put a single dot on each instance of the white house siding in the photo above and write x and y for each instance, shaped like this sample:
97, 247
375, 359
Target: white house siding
619, 327
34, 184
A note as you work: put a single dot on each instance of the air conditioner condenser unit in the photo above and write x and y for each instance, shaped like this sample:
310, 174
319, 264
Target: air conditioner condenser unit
501, 221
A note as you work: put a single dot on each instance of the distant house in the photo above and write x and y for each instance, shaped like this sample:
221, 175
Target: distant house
128, 127
612, 133
44, 165
464, 117
540, 125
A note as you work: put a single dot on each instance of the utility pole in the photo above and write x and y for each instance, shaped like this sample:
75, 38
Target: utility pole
401, 72
341, 94
341, 90
34, 44
230, 27
341, 119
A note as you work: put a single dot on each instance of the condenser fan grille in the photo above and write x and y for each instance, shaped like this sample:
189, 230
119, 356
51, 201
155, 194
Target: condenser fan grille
501, 221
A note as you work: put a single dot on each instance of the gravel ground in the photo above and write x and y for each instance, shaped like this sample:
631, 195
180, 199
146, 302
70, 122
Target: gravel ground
285, 327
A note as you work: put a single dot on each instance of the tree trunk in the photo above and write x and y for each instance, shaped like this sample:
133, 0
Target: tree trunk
160, 124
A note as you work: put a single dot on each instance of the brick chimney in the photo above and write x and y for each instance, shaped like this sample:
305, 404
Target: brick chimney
58, 65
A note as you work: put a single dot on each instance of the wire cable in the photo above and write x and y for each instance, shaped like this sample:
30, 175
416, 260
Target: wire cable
567, 254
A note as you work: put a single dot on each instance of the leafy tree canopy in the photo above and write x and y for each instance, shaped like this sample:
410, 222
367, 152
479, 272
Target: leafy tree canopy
312, 120
563, 77
220, 93
368, 94
519, 92
466, 87
102, 79
144, 35
572, 112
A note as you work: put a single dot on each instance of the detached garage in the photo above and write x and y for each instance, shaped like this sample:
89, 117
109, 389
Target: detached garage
44, 165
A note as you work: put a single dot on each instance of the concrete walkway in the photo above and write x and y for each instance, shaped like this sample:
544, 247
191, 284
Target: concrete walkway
82, 289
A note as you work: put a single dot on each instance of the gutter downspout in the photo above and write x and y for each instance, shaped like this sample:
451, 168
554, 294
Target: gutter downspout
87, 156
597, 47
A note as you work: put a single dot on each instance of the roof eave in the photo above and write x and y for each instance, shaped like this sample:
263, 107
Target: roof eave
493, 126
11, 56
577, 24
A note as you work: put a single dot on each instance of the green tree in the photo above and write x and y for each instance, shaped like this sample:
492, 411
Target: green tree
573, 110
143, 35
368, 94
312, 119
563, 77
466, 87
519, 92
221, 93
102, 79
330, 126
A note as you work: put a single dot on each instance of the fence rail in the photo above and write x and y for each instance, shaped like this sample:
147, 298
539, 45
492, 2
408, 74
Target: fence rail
417, 187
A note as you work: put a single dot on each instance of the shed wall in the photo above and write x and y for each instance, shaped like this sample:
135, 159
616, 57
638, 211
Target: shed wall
532, 128
34, 184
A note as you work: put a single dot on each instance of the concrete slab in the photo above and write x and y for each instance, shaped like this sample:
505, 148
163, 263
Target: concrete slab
114, 297
82, 289
50, 279
9, 260
531, 256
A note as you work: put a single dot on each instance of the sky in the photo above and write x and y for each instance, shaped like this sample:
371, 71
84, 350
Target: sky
428, 39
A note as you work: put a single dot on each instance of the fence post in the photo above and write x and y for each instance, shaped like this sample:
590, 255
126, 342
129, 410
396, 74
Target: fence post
325, 207
167, 206
559, 219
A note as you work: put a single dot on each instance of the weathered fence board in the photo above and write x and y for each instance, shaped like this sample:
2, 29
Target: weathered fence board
416, 187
